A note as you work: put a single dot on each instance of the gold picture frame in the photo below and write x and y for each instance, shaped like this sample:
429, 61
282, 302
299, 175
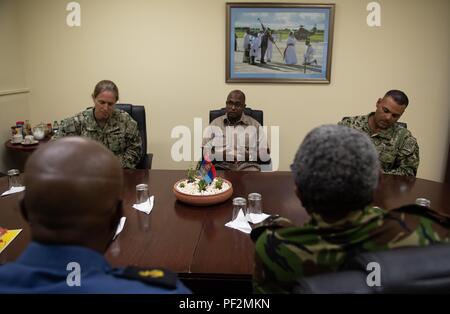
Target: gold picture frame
279, 42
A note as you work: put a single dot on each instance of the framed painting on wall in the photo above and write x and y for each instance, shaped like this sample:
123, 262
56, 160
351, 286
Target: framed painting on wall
279, 42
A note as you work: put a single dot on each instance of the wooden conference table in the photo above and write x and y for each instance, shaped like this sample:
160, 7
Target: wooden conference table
193, 241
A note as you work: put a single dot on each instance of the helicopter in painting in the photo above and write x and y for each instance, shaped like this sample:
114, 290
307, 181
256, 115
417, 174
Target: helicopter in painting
303, 34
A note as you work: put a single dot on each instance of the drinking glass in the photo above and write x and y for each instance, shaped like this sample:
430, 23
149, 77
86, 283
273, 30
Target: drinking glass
13, 178
254, 203
239, 203
141, 193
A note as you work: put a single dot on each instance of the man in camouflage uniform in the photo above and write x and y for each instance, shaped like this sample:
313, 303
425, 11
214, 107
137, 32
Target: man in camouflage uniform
336, 172
112, 127
397, 148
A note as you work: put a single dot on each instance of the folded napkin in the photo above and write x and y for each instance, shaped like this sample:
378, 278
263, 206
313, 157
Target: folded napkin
147, 206
14, 189
256, 218
120, 226
240, 223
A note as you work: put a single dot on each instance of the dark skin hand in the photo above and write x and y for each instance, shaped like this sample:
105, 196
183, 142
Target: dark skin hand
73, 193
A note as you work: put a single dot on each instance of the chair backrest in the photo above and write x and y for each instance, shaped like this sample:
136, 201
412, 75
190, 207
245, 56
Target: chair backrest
258, 115
402, 270
138, 114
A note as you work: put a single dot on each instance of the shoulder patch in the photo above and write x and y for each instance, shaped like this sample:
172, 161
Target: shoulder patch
153, 276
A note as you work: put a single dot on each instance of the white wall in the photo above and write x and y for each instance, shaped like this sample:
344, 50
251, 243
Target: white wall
13, 105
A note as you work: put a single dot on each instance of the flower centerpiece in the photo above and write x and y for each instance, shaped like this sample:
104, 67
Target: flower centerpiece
202, 187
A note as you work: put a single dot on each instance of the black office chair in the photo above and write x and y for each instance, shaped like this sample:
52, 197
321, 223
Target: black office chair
258, 115
138, 114
402, 270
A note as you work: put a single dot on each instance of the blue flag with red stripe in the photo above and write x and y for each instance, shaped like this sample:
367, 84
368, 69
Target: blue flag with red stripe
207, 170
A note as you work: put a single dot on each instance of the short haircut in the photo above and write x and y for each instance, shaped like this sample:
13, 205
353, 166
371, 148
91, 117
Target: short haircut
239, 92
106, 85
336, 170
398, 96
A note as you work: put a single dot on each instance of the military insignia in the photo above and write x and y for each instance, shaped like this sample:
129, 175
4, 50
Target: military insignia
154, 273
153, 276
409, 145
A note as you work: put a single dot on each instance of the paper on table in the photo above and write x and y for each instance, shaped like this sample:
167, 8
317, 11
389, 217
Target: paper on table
256, 218
240, 223
8, 237
120, 226
145, 207
14, 189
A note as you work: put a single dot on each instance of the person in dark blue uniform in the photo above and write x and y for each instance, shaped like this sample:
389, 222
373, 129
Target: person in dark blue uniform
73, 205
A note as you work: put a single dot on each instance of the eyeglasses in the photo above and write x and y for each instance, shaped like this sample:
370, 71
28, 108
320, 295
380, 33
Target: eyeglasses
238, 105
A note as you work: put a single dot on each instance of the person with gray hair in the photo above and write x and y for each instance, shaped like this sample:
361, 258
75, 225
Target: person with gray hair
326, 162
336, 171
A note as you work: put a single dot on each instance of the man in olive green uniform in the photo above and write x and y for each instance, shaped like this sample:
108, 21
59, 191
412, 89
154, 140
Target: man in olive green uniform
397, 148
336, 171
112, 127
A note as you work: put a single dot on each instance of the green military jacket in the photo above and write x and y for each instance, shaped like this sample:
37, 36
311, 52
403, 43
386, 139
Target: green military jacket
397, 149
285, 254
120, 134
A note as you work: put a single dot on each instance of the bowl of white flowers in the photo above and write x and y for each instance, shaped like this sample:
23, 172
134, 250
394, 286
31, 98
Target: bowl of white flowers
196, 191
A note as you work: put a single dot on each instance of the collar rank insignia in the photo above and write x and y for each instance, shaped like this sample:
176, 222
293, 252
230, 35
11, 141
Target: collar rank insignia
152, 276
154, 273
